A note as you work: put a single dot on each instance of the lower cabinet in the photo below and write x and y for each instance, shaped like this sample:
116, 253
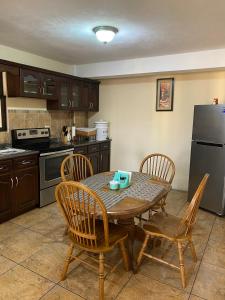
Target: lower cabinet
25, 191
95, 161
5, 198
19, 186
104, 161
99, 155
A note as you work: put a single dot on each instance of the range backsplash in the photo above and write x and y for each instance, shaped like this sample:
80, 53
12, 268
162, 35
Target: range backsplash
31, 119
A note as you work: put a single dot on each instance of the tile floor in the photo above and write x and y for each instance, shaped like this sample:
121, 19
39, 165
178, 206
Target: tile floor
33, 247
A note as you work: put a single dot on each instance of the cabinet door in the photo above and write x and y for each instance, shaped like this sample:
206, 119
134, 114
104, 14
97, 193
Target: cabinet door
93, 96
25, 191
49, 86
6, 185
75, 94
84, 96
104, 165
64, 94
30, 83
94, 158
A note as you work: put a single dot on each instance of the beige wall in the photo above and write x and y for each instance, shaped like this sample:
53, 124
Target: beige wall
27, 58
137, 129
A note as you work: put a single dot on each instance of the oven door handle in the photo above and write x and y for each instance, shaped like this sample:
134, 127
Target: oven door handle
57, 153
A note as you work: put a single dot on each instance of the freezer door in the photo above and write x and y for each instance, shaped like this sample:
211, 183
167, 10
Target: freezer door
209, 123
208, 158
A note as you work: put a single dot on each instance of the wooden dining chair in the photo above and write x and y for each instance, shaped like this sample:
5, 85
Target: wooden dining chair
76, 167
81, 208
162, 169
176, 230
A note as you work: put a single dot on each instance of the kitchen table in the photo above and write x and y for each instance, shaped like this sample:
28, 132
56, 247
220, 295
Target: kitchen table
124, 205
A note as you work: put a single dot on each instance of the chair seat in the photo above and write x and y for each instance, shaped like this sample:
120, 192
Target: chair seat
165, 225
116, 234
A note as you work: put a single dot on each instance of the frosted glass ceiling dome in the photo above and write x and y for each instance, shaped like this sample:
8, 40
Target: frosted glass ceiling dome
105, 34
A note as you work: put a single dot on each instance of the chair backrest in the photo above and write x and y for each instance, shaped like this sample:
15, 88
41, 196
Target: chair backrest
76, 167
160, 166
189, 217
81, 208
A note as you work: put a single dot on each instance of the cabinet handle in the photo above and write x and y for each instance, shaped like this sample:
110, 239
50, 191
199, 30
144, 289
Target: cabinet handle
1, 168
43, 91
17, 181
11, 183
101, 156
26, 162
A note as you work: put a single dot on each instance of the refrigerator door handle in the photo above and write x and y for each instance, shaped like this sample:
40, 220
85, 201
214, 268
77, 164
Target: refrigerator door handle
222, 211
210, 144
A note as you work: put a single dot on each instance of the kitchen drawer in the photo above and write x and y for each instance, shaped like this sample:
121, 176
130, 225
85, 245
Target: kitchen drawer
93, 148
25, 162
105, 146
5, 166
80, 150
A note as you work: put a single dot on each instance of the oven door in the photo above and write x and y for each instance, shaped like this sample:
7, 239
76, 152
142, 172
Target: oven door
50, 164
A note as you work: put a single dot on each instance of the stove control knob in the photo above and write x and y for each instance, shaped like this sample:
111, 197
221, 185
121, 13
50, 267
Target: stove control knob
42, 132
19, 134
46, 132
24, 134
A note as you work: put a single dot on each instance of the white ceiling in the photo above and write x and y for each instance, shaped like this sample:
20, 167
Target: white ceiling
62, 30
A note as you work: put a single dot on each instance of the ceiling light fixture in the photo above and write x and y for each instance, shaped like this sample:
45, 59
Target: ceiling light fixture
105, 34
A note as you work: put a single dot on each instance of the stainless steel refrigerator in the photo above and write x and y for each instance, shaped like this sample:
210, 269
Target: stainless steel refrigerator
208, 156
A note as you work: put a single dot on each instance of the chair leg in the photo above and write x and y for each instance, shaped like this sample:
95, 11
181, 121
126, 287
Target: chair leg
181, 260
101, 276
163, 209
66, 231
139, 217
144, 245
150, 214
124, 255
67, 261
193, 252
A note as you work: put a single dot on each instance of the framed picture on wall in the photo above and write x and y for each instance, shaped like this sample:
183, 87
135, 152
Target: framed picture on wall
164, 94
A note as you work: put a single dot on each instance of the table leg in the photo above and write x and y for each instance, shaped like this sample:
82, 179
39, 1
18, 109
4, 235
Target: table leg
134, 233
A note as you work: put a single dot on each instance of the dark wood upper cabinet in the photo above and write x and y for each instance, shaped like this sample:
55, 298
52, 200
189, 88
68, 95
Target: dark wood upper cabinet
76, 92
85, 96
3, 121
62, 91
93, 95
64, 94
69, 95
90, 96
38, 85
30, 83
49, 86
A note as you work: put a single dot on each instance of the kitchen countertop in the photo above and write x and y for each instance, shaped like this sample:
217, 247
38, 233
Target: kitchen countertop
32, 152
15, 155
87, 143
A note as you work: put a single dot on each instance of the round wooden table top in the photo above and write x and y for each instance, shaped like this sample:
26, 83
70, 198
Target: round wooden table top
143, 193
